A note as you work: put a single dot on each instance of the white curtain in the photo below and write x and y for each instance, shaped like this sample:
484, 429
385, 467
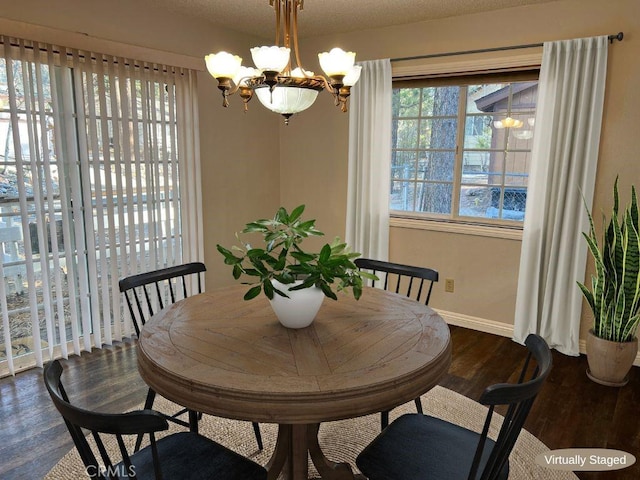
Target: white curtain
367, 230
98, 171
190, 175
563, 170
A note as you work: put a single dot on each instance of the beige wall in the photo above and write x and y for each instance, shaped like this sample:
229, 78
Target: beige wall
484, 269
252, 163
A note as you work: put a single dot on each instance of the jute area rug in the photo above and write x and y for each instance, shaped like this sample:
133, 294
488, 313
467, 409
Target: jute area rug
343, 440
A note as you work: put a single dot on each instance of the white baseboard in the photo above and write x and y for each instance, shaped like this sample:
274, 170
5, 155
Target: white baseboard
496, 328
477, 323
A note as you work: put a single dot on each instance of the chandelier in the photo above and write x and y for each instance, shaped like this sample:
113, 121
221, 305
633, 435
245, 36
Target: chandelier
508, 122
278, 86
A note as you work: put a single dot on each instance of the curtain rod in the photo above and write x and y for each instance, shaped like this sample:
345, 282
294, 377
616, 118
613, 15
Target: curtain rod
617, 36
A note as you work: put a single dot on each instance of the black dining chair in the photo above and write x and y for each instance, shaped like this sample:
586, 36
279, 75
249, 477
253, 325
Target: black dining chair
147, 293
413, 282
418, 446
184, 455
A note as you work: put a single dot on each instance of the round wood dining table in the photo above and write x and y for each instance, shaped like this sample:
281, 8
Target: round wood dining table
218, 354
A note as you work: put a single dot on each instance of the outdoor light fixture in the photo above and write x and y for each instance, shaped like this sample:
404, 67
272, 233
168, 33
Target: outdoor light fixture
278, 86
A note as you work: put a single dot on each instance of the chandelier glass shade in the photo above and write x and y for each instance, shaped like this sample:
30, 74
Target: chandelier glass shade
278, 86
286, 100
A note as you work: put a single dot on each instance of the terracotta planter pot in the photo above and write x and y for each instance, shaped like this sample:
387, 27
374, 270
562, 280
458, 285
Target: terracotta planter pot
610, 362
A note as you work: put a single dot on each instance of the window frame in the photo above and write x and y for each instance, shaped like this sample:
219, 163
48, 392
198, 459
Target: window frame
446, 69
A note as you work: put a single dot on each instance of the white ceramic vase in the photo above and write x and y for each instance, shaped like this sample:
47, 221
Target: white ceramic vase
299, 310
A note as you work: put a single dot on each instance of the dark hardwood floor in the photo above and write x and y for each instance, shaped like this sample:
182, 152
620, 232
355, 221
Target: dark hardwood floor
571, 411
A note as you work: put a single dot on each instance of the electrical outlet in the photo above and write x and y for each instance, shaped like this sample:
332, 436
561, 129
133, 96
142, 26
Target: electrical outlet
448, 285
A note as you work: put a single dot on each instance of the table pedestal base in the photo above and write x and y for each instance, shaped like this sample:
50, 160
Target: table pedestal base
290, 457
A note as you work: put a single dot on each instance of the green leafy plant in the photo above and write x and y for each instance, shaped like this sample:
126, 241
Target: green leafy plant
614, 297
282, 258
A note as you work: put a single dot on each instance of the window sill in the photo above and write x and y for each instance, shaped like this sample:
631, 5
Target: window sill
498, 231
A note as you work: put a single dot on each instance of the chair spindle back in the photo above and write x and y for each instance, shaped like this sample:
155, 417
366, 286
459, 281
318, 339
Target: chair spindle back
99, 424
147, 293
400, 275
519, 397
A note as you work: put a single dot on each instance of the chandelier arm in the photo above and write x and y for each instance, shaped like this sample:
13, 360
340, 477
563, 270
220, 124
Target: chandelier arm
248, 77
327, 85
228, 91
277, 6
295, 37
340, 95
288, 8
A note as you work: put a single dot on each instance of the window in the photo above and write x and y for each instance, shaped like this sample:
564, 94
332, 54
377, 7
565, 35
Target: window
89, 193
461, 149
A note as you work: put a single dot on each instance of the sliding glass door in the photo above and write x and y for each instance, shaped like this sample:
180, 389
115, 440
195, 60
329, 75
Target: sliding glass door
89, 193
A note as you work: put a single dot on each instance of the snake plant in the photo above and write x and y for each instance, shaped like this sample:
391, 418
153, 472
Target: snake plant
614, 297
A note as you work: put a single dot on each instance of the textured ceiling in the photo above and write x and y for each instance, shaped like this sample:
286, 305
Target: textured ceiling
320, 17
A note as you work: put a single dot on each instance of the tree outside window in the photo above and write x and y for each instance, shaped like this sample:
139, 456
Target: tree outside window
462, 151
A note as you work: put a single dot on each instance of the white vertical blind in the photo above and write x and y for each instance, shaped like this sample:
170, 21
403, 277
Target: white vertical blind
94, 154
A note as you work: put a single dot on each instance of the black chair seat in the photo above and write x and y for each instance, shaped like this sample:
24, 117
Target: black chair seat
182, 455
197, 455
418, 446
